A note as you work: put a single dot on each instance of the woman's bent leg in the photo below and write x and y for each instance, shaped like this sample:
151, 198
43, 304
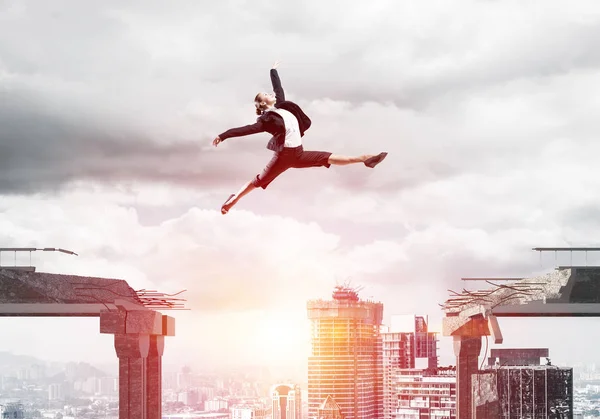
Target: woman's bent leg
233, 199
274, 168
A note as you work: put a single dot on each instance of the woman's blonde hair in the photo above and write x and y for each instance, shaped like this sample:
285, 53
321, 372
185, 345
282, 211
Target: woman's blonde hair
259, 108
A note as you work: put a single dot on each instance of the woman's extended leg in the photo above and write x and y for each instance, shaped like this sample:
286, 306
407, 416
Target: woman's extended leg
370, 160
325, 159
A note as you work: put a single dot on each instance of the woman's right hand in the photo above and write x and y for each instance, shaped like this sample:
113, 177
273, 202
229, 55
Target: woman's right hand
275, 65
216, 141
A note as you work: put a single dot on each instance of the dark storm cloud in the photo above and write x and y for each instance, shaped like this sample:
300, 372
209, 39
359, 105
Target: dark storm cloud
40, 151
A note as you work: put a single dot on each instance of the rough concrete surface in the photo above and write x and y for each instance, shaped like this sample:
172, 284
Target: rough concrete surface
39, 287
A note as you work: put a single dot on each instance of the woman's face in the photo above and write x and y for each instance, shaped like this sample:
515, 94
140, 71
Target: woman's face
268, 98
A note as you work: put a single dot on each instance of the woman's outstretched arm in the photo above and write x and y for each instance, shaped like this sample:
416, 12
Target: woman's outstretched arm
243, 131
240, 131
276, 82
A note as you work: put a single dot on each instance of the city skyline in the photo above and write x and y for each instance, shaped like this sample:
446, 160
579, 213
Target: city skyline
419, 342
280, 336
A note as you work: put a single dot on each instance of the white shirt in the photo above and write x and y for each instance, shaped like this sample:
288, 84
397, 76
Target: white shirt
292, 130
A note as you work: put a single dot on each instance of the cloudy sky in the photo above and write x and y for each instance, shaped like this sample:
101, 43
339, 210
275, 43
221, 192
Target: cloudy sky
488, 110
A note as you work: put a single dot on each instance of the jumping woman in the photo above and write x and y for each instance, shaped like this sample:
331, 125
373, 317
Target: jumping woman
287, 123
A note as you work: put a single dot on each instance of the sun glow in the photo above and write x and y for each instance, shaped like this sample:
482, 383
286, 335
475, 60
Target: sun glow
282, 338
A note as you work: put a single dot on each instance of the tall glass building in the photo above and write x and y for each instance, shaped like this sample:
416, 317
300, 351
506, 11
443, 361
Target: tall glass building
345, 363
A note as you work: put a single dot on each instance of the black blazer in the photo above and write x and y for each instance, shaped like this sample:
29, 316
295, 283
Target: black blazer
272, 122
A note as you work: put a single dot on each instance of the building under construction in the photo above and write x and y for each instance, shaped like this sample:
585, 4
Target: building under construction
345, 364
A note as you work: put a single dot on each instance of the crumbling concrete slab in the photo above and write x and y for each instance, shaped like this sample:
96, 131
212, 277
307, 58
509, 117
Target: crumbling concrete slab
549, 287
41, 287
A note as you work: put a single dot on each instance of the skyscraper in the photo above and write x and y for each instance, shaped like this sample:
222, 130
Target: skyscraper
409, 344
414, 386
287, 402
346, 355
